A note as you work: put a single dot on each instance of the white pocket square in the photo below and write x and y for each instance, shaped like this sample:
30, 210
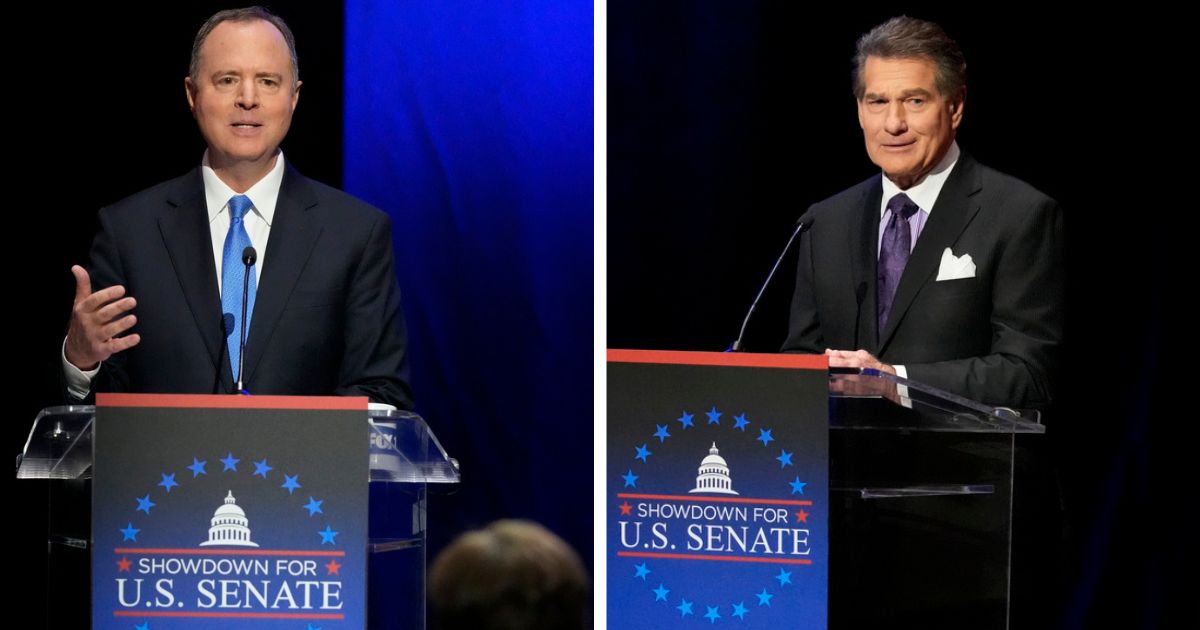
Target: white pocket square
955, 267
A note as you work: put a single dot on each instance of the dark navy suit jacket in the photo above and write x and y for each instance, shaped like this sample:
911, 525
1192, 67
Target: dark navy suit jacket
327, 318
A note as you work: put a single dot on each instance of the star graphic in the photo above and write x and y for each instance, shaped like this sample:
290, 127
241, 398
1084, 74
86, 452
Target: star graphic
801, 516
197, 467
146, 626
642, 571
130, 533
712, 615
764, 598
785, 458
684, 608
660, 593
327, 535
642, 453
312, 627
739, 610
784, 577
798, 486
261, 468
686, 420
290, 483
625, 508
314, 506
230, 463
144, 504
740, 422
714, 416
661, 433
333, 568
123, 565
764, 436
168, 481
630, 479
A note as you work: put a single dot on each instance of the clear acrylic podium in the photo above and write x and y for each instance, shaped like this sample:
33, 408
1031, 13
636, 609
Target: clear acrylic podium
922, 489
405, 456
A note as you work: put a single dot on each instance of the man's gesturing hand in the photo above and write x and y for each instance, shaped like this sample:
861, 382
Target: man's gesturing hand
96, 320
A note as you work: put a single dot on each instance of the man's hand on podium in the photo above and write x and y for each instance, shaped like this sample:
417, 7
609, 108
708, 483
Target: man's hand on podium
851, 385
857, 359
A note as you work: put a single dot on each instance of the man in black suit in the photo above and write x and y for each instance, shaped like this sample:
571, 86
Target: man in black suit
323, 317
942, 270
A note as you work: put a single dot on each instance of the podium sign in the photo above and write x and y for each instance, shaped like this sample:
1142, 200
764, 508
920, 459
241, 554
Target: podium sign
222, 511
717, 487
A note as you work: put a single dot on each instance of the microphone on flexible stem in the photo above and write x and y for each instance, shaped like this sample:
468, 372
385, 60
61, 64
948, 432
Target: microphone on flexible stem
249, 257
802, 225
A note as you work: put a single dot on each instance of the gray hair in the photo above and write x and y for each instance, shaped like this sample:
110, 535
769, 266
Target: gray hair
909, 38
243, 15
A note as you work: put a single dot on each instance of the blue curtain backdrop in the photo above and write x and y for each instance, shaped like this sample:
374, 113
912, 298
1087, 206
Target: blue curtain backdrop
471, 124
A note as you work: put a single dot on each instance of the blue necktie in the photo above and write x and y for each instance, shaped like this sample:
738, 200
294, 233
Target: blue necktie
233, 274
893, 254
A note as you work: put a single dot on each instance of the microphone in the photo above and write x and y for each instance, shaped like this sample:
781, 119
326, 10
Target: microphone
249, 257
802, 225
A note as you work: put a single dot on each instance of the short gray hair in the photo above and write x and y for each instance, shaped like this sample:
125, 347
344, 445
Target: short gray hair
909, 38
243, 15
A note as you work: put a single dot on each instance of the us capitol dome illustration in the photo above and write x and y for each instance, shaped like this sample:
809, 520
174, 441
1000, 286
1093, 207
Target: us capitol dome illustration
229, 526
714, 475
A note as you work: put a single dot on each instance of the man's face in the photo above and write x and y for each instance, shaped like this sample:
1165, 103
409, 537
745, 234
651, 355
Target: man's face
907, 124
243, 97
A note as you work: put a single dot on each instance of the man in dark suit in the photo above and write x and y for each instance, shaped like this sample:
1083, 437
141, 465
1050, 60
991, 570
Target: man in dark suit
942, 270
323, 315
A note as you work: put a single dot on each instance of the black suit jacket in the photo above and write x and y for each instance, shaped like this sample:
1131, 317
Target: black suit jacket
327, 318
993, 338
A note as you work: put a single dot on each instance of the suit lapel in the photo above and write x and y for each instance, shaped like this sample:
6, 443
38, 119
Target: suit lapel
187, 239
864, 235
294, 233
954, 209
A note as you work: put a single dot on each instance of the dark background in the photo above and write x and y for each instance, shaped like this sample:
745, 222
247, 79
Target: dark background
727, 120
500, 362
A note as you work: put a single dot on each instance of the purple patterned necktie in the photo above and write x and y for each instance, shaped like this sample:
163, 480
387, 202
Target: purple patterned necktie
893, 253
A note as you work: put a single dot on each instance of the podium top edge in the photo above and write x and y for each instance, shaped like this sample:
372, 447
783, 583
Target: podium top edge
729, 359
200, 401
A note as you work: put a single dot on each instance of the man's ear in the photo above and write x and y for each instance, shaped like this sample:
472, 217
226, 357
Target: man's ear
296, 95
189, 89
956, 107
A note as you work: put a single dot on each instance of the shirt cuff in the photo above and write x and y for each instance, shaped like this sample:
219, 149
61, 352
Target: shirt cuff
79, 382
902, 390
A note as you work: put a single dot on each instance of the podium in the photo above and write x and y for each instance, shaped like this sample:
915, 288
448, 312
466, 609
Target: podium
920, 493
403, 457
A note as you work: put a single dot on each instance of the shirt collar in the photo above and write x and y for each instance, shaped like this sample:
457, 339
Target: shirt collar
264, 193
925, 193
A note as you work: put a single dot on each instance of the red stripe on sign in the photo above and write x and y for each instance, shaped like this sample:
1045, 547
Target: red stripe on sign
685, 497
232, 402
685, 556
227, 552
730, 359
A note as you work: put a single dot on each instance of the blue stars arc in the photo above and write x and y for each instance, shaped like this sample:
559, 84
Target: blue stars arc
712, 613
642, 453
688, 421
229, 463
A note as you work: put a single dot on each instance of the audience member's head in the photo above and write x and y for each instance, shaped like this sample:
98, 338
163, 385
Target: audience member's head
511, 575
